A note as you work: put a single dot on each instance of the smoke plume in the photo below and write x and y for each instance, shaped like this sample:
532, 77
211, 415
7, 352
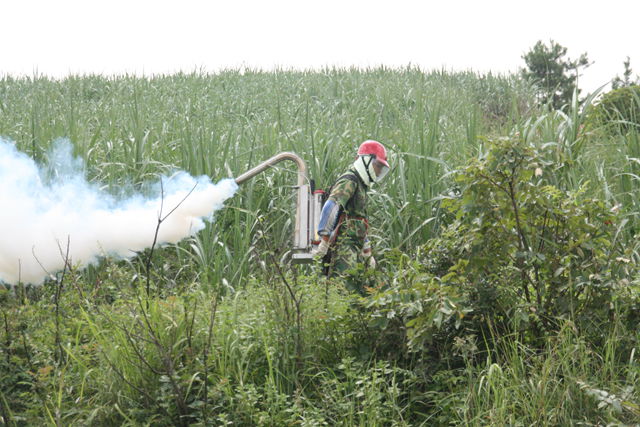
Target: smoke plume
51, 210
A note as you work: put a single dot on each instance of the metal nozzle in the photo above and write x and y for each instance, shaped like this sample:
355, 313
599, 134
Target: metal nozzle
301, 238
302, 167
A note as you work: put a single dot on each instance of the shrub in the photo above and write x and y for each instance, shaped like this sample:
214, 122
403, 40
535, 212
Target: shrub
617, 112
517, 254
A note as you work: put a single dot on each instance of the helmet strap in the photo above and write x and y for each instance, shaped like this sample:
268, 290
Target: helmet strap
366, 167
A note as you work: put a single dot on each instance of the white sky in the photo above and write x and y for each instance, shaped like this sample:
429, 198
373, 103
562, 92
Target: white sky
58, 37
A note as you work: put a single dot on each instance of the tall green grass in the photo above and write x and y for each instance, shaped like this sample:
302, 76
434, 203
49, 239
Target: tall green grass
129, 129
230, 333
569, 382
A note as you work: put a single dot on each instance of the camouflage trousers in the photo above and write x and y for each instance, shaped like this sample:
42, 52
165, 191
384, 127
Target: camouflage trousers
344, 261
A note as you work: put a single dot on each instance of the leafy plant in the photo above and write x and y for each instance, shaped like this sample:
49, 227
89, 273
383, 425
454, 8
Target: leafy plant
517, 254
223, 337
527, 251
554, 75
617, 112
626, 79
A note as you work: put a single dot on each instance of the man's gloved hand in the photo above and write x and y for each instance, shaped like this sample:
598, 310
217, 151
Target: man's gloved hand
322, 249
367, 255
369, 260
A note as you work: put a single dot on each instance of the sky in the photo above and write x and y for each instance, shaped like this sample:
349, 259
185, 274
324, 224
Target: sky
146, 37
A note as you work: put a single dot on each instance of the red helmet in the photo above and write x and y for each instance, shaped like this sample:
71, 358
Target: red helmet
371, 163
375, 148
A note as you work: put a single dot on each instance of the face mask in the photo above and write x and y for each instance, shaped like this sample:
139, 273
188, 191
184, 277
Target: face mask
379, 169
370, 169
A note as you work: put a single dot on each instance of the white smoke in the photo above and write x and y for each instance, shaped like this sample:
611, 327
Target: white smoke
47, 211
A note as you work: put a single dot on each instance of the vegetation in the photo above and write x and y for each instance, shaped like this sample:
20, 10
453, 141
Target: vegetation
507, 291
617, 111
626, 79
555, 77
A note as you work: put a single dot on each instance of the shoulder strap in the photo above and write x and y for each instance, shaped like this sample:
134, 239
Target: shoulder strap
351, 177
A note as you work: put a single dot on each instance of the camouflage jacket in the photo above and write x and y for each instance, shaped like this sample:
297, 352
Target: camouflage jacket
352, 198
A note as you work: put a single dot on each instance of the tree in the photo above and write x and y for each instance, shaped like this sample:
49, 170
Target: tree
625, 81
555, 75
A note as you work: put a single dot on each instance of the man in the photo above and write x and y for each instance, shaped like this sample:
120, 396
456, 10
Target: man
343, 220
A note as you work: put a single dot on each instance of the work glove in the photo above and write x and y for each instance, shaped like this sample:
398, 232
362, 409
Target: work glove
367, 255
322, 249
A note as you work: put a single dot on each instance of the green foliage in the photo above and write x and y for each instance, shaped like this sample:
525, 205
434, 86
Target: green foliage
525, 292
517, 385
526, 251
511, 298
130, 129
554, 74
192, 359
625, 81
617, 112
517, 254
496, 97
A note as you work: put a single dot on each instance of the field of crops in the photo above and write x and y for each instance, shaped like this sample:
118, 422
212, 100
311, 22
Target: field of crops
221, 329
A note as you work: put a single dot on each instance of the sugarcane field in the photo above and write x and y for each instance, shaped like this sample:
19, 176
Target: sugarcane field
328, 246
145, 283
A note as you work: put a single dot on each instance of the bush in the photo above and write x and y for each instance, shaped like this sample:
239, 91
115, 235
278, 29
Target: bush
517, 254
617, 112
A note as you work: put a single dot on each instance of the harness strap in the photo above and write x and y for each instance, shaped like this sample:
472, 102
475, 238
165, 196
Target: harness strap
341, 219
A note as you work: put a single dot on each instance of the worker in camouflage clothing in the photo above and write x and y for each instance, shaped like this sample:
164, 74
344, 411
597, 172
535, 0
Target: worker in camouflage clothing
343, 222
